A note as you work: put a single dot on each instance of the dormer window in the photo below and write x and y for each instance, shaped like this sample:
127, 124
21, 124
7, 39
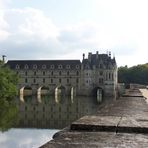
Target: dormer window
26, 66
87, 67
60, 66
77, 67
17, 66
43, 66
52, 66
67, 66
34, 66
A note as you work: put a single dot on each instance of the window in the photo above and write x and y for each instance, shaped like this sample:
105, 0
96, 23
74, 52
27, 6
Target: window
101, 80
43, 73
77, 80
112, 76
26, 66
34, 73
109, 76
51, 80
68, 73
77, 73
67, 66
101, 66
59, 80
60, 73
26, 73
60, 66
26, 80
67, 80
77, 66
52, 66
17, 72
43, 80
34, 80
17, 67
101, 73
34, 66
87, 67
25, 108
52, 73
43, 66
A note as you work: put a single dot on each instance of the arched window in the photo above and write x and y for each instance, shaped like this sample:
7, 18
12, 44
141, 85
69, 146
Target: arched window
67, 66
43, 66
60, 66
17, 66
35, 66
77, 73
77, 67
60, 73
26, 66
52, 66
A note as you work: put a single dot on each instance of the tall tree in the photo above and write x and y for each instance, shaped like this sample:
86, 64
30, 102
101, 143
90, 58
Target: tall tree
8, 92
136, 74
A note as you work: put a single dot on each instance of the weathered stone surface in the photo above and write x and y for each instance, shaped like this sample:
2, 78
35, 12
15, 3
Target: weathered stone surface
96, 123
125, 122
98, 140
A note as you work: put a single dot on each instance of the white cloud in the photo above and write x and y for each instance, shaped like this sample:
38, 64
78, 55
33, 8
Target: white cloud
119, 26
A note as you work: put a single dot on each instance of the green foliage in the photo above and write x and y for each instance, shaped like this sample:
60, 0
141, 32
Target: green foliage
136, 74
8, 92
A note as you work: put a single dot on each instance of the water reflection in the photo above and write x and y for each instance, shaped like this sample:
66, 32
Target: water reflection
54, 113
24, 138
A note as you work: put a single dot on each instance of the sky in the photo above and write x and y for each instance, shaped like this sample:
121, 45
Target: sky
65, 29
24, 138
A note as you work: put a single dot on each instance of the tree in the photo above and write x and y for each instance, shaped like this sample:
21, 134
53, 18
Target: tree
136, 74
8, 92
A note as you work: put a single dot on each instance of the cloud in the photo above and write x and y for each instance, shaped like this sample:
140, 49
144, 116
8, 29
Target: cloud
120, 27
26, 137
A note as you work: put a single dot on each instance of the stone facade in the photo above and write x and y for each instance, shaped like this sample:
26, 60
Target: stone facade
76, 77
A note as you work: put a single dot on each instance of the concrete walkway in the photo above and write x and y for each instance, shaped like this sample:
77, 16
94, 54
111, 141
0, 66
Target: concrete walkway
121, 123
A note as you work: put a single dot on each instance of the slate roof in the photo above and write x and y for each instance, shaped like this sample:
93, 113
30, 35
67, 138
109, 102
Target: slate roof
103, 59
39, 63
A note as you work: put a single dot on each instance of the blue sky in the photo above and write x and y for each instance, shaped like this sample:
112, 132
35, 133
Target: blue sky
65, 29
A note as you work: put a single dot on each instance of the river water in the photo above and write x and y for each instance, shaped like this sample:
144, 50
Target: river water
38, 121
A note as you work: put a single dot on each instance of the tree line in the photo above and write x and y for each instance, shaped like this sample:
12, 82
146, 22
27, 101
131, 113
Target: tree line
8, 92
136, 74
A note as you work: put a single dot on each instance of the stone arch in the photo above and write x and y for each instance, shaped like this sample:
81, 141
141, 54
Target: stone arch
25, 91
73, 93
60, 92
42, 90
98, 92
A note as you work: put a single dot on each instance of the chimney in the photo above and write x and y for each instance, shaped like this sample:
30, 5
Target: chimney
3, 58
97, 54
83, 56
89, 56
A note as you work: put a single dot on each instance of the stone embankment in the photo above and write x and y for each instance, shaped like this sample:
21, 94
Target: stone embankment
120, 123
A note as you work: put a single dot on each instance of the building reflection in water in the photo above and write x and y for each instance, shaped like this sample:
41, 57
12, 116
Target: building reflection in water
54, 112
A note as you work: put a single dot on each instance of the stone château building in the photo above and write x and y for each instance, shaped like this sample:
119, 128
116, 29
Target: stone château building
98, 71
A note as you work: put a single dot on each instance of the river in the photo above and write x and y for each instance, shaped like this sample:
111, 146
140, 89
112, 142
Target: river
38, 121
